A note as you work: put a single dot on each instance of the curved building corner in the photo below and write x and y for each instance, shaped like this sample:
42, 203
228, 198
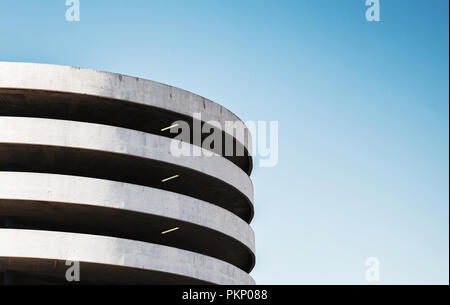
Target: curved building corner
88, 178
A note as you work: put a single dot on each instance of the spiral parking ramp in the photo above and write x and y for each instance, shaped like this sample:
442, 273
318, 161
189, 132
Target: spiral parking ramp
87, 175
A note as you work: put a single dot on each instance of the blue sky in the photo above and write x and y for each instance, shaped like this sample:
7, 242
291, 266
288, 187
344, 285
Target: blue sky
363, 112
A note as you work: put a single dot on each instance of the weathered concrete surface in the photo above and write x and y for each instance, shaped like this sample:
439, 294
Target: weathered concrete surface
122, 253
104, 84
87, 136
80, 182
104, 111
94, 202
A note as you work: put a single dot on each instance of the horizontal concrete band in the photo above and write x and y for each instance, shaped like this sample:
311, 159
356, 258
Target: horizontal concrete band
87, 136
116, 86
118, 253
89, 201
104, 111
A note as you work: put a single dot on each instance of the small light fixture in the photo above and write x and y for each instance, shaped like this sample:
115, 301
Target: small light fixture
167, 128
170, 178
171, 230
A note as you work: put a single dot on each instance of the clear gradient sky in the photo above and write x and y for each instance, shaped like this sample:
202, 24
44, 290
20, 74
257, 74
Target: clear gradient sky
363, 112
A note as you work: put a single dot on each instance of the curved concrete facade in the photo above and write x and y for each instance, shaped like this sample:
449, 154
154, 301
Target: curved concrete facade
79, 182
39, 247
26, 77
